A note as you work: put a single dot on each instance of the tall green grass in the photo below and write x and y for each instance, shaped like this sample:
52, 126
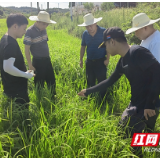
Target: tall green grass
68, 126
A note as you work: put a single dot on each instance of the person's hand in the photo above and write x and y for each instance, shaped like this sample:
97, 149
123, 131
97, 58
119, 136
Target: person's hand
106, 62
30, 74
81, 64
31, 67
149, 112
81, 93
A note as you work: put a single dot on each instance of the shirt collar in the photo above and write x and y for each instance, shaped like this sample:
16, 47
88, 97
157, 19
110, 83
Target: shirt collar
36, 28
98, 28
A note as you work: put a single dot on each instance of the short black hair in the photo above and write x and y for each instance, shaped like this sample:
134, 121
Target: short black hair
18, 19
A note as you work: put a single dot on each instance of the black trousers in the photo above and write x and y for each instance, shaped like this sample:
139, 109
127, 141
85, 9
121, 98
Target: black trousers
133, 121
44, 73
20, 111
21, 98
96, 70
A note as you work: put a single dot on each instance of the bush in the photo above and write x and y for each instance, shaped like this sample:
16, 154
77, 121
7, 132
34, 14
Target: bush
88, 6
1, 12
67, 14
105, 6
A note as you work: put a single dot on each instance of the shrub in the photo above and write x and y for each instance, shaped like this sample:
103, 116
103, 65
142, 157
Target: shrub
67, 14
105, 6
88, 6
1, 12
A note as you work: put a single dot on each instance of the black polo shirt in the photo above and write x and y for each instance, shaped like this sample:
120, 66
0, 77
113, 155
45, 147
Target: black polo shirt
143, 72
9, 48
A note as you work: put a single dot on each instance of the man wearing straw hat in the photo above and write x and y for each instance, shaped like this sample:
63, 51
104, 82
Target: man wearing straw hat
144, 30
142, 25
36, 42
97, 59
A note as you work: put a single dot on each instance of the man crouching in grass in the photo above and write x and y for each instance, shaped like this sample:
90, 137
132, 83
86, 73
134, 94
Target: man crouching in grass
142, 70
13, 70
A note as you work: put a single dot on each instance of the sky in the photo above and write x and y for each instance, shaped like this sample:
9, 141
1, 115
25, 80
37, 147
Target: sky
42, 5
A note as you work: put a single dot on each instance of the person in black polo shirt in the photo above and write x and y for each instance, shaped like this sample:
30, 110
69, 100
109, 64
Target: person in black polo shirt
13, 70
36, 42
142, 70
97, 59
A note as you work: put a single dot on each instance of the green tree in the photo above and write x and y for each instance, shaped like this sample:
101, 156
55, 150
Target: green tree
67, 14
105, 6
88, 6
1, 12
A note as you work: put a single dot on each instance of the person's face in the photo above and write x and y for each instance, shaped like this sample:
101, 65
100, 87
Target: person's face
20, 30
92, 28
110, 47
42, 25
141, 33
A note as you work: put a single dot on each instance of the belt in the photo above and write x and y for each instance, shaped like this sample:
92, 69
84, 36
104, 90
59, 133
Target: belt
95, 60
41, 58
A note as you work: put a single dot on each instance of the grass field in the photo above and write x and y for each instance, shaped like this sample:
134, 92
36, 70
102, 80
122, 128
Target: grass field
70, 126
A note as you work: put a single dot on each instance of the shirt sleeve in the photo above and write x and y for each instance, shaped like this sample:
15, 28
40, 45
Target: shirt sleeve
83, 39
154, 89
147, 62
46, 35
8, 66
27, 39
155, 50
10, 51
143, 58
106, 83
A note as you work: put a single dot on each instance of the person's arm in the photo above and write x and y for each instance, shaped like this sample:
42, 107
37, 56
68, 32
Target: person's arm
155, 50
82, 51
154, 89
106, 62
148, 63
104, 84
8, 66
28, 42
28, 57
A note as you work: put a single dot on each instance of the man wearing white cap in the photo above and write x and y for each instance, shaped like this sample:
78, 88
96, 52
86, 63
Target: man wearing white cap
97, 59
144, 30
36, 42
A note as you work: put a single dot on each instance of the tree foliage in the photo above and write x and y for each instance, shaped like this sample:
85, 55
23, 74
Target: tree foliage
1, 12
105, 6
88, 6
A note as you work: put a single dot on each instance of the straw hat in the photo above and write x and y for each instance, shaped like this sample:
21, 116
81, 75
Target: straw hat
139, 21
89, 20
43, 17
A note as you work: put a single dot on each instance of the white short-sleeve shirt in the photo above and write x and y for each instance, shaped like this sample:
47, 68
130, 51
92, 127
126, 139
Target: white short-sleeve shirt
152, 43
